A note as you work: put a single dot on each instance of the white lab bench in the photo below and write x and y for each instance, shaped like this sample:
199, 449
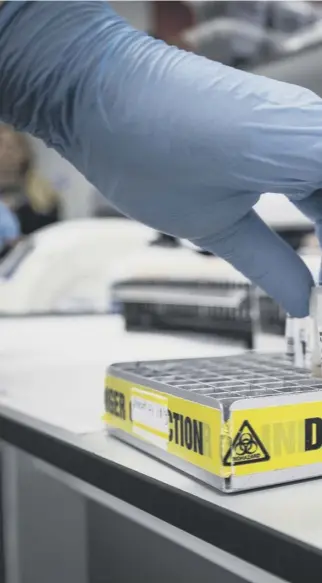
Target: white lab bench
80, 506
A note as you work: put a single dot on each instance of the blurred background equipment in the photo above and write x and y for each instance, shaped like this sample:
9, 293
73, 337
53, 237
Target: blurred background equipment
66, 268
299, 61
236, 33
177, 288
180, 288
231, 41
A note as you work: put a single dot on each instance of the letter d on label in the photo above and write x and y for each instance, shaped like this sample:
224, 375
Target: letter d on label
170, 421
313, 433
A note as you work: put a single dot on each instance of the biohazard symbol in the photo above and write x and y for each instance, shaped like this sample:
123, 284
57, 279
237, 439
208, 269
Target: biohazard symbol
246, 448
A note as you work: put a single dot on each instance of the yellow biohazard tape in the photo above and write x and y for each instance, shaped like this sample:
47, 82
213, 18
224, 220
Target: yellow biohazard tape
275, 438
252, 441
185, 429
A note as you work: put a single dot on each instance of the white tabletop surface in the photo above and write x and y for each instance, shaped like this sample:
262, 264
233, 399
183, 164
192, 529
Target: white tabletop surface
53, 370
38, 355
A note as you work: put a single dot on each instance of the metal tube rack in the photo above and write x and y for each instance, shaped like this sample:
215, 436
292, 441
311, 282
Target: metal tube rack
236, 422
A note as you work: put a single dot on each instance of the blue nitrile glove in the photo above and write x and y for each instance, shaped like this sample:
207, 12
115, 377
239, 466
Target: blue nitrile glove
9, 226
181, 143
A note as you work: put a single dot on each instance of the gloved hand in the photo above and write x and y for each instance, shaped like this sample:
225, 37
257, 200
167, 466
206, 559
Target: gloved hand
178, 142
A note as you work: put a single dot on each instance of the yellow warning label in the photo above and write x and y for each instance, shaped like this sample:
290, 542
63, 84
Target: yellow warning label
185, 429
252, 440
246, 448
273, 438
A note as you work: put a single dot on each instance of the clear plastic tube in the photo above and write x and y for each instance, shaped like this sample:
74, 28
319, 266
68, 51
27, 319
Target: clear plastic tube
304, 337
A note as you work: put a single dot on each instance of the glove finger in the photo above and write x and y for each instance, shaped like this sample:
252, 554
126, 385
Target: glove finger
312, 208
252, 248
